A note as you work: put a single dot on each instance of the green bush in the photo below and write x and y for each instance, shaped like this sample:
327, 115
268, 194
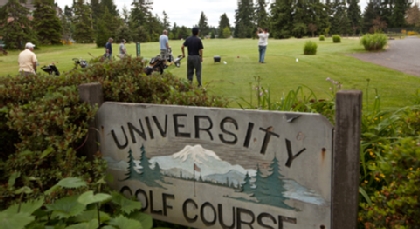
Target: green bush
375, 41
310, 48
336, 38
43, 124
321, 37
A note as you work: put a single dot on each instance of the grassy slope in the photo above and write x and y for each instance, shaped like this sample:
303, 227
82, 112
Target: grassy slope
281, 72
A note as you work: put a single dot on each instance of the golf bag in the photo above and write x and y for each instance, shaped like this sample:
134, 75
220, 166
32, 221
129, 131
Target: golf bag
158, 64
51, 69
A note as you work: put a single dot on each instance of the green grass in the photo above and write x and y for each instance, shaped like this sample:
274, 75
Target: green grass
281, 73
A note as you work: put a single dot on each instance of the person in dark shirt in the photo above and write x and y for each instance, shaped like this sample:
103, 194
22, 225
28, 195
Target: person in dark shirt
108, 48
195, 55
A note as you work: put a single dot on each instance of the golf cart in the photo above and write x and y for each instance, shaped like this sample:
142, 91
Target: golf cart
158, 64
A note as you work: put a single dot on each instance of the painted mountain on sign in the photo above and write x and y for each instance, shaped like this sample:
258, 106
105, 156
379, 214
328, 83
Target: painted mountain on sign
207, 161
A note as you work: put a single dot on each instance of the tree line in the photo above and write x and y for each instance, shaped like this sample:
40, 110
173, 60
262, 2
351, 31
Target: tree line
98, 20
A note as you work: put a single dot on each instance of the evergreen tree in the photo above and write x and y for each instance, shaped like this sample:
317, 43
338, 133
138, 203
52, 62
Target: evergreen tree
301, 18
131, 172
16, 26
371, 12
353, 14
66, 24
386, 8
124, 33
153, 27
183, 32
157, 173
103, 31
246, 185
140, 12
108, 4
275, 187
261, 16
203, 25
146, 171
165, 22
260, 190
83, 27
244, 16
223, 23
46, 22
340, 23
281, 19
322, 17
398, 15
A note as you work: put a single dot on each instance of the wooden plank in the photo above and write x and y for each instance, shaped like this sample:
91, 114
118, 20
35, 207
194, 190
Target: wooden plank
346, 160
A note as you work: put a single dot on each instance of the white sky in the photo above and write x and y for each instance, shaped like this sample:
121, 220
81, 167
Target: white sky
183, 12
187, 12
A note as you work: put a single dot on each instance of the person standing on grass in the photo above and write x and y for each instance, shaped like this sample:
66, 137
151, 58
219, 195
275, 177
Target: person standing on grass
27, 60
164, 45
262, 43
122, 49
195, 56
108, 48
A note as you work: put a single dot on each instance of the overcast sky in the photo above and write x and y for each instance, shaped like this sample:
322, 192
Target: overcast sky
187, 12
183, 12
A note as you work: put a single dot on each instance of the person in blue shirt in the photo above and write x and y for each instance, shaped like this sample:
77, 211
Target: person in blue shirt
164, 45
108, 48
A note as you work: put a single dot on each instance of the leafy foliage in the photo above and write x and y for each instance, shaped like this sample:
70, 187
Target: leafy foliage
374, 42
88, 210
396, 204
310, 48
321, 38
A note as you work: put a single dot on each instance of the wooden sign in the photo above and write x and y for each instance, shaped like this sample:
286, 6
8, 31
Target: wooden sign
221, 168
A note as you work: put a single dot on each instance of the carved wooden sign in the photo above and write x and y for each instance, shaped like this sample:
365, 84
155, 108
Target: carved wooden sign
221, 168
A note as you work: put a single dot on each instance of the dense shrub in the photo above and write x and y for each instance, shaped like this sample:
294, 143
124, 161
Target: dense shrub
310, 48
336, 38
321, 37
396, 204
43, 123
375, 41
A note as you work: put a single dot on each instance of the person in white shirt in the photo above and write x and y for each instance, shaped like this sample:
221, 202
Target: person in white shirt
122, 48
262, 43
27, 60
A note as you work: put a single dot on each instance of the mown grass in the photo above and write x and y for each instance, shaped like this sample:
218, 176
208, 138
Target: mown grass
285, 69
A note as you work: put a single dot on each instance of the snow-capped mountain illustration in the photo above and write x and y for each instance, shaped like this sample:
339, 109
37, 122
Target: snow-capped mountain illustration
206, 160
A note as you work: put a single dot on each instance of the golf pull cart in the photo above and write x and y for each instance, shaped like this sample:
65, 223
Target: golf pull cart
80, 62
158, 64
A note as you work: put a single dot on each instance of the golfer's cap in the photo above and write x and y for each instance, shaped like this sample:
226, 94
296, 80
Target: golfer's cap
29, 45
